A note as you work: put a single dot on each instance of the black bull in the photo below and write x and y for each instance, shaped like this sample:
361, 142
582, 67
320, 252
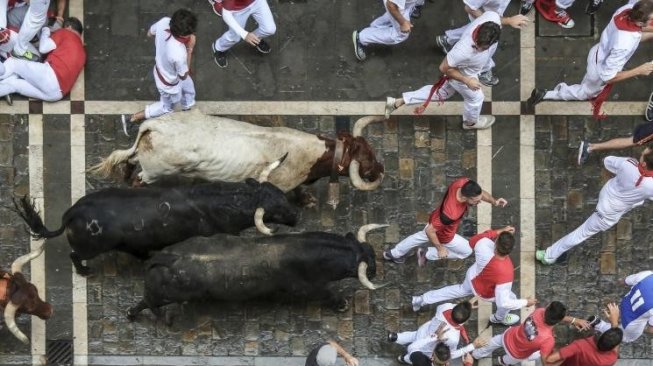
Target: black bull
228, 268
139, 220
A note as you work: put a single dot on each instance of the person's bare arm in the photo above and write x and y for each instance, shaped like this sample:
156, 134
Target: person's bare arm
555, 359
453, 73
61, 8
644, 69
487, 197
473, 13
189, 53
404, 24
433, 238
349, 359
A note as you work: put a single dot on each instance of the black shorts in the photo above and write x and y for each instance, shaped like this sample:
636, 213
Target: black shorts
643, 133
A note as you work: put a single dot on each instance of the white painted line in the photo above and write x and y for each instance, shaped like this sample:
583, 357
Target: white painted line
60, 107
37, 266
484, 213
77, 191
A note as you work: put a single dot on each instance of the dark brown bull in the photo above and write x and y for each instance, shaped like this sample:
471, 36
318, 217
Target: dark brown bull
17, 295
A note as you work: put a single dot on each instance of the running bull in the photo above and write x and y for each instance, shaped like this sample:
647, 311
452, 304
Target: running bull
17, 295
139, 220
220, 149
229, 268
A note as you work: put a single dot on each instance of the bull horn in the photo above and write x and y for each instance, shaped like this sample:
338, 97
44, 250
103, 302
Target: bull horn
18, 264
258, 221
10, 320
362, 277
360, 125
358, 182
263, 177
362, 232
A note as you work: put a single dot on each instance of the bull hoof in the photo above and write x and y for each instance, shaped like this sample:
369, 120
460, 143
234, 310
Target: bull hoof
342, 306
131, 314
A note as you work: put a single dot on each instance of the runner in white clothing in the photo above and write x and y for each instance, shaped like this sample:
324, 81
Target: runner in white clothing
476, 8
447, 326
174, 39
490, 277
605, 61
460, 69
391, 28
629, 188
636, 308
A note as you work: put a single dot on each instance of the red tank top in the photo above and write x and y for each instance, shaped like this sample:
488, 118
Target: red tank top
68, 59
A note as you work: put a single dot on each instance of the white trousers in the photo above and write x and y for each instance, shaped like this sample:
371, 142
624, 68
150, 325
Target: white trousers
633, 331
167, 101
601, 220
424, 331
495, 343
33, 22
260, 10
458, 247
473, 99
385, 30
457, 291
589, 88
29, 78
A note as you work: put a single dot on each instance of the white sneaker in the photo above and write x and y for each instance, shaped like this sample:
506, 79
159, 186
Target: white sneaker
417, 303
510, 319
389, 106
482, 123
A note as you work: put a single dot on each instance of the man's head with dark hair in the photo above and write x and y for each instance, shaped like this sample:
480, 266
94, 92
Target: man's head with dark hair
554, 313
505, 243
609, 339
647, 158
487, 34
461, 312
441, 354
183, 23
471, 193
74, 24
641, 12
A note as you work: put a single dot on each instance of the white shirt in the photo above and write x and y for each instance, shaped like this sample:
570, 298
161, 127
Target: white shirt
620, 194
616, 47
452, 336
401, 4
463, 56
497, 6
503, 295
171, 57
633, 280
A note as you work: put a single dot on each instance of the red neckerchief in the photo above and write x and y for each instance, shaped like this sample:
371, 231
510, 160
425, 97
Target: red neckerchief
623, 22
643, 173
459, 327
5, 34
438, 84
181, 39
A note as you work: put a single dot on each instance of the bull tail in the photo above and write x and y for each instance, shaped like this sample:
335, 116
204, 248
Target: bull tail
26, 209
109, 166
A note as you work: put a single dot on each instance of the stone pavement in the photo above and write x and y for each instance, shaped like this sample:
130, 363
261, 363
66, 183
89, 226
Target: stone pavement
315, 84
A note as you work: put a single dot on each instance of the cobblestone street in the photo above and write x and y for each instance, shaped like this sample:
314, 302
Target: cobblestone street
314, 83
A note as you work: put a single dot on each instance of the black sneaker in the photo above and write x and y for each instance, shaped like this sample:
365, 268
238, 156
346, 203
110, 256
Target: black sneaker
649, 109
526, 7
392, 337
263, 47
583, 152
387, 255
219, 57
488, 78
443, 43
537, 95
417, 12
359, 50
593, 6
594, 320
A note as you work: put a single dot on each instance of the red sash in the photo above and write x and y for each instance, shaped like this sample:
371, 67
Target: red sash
438, 84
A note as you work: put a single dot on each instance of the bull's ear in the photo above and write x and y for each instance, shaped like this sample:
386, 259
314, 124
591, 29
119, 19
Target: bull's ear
251, 182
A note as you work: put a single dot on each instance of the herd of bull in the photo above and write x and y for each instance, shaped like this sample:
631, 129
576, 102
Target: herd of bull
246, 172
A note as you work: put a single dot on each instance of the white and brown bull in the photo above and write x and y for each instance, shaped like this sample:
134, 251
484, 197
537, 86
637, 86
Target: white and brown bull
17, 295
196, 145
